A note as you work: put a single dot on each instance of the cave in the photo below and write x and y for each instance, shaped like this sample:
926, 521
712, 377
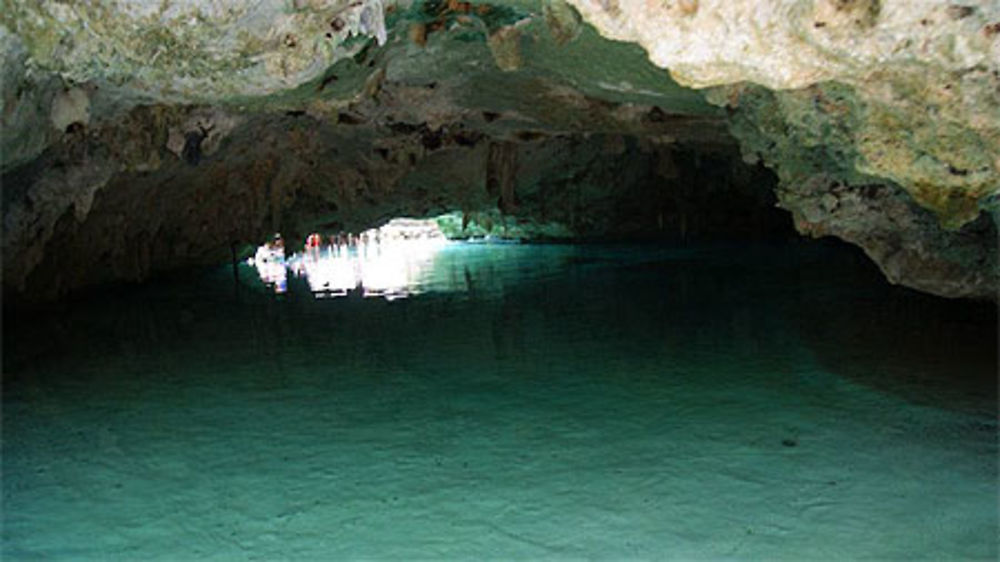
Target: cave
424, 279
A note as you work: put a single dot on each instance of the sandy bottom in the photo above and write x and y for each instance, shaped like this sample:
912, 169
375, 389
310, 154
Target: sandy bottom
533, 403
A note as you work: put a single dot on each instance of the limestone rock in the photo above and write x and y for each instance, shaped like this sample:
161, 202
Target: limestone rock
899, 236
143, 136
209, 126
562, 20
69, 107
925, 75
807, 136
185, 50
505, 44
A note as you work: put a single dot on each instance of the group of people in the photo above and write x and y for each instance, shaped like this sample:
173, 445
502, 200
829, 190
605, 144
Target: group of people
366, 262
339, 244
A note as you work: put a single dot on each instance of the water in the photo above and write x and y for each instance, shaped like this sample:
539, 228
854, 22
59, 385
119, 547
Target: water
528, 402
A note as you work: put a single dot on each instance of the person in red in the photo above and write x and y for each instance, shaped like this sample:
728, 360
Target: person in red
313, 243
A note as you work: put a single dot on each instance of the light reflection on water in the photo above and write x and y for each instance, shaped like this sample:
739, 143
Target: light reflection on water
630, 380
389, 270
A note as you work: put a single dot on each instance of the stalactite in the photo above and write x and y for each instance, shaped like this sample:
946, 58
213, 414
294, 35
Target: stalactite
501, 168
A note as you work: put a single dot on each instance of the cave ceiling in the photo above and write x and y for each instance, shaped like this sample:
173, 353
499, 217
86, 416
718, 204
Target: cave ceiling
880, 119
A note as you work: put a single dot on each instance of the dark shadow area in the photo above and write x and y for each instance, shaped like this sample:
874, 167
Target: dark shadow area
750, 300
925, 349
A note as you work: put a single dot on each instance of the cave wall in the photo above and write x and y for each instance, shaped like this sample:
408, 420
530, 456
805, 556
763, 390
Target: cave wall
141, 137
156, 209
918, 81
807, 136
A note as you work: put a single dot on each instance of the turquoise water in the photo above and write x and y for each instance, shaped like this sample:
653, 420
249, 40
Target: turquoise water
523, 402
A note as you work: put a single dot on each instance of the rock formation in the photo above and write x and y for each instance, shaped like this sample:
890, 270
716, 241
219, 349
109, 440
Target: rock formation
141, 137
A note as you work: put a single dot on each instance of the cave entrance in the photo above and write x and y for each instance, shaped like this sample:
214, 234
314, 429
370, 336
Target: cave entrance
388, 262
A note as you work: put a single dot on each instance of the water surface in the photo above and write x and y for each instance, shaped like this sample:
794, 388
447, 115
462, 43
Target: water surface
542, 402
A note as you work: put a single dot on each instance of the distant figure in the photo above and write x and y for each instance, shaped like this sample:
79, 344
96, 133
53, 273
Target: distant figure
363, 244
313, 243
270, 262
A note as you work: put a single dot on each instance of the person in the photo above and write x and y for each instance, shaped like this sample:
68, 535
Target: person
313, 242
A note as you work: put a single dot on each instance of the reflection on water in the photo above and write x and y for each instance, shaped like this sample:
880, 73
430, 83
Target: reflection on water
391, 271
270, 263
755, 402
389, 262
403, 268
